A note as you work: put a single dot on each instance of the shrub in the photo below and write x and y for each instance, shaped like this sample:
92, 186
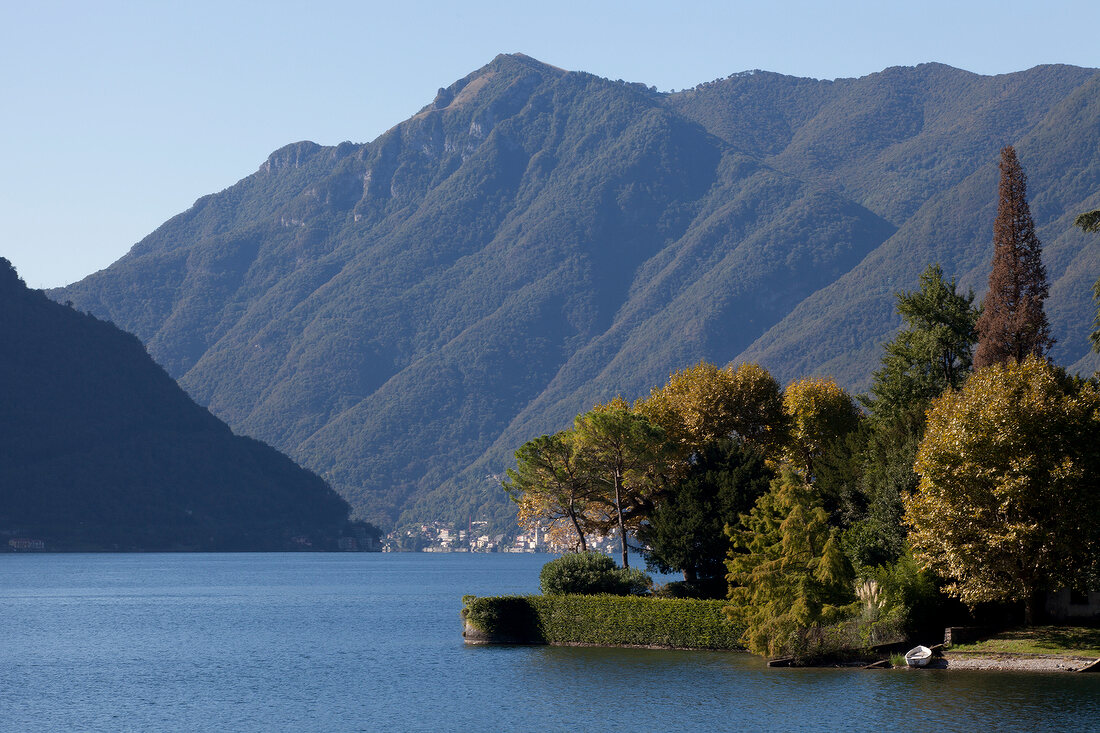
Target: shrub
606, 621
590, 573
511, 617
705, 589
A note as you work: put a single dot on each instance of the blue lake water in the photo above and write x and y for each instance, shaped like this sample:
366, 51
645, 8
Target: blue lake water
357, 642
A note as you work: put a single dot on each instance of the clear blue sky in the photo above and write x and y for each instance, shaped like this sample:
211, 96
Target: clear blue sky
118, 115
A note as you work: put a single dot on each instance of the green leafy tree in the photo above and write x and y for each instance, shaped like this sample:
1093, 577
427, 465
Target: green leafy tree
1013, 324
933, 352
874, 534
1090, 222
788, 575
1009, 497
685, 532
553, 485
626, 453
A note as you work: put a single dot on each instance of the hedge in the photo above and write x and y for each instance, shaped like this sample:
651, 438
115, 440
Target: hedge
604, 620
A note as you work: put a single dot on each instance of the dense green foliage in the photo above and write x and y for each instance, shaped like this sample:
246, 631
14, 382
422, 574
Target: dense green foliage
591, 573
606, 620
401, 315
685, 532
932, 353
100, 449
868, 475
788, 575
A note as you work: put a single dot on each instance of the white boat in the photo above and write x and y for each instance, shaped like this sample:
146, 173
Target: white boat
918, 656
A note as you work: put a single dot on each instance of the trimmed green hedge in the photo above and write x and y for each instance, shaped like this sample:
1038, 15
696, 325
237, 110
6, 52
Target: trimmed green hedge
605, 620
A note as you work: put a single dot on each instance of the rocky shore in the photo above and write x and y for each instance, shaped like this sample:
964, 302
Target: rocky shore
1012, 662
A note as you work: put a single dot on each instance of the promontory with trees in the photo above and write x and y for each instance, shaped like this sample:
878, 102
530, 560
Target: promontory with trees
966, 480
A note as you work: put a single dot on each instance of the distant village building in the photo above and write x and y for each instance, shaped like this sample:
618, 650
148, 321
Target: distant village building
26, 544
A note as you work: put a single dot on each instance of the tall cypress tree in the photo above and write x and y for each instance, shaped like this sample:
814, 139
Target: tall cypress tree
1013, 324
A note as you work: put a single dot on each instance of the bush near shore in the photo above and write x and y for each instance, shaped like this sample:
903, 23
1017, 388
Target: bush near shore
605, 620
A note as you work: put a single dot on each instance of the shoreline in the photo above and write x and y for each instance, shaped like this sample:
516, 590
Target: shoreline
984, 661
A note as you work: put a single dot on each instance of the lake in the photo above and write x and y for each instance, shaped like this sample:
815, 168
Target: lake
357, 642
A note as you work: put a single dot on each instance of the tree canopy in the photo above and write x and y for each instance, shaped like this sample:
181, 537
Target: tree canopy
818, 411
626, 452
1009, 496
554, 486
933, 352
685, 532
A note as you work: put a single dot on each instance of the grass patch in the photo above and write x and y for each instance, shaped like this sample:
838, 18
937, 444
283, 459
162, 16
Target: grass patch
1074, 641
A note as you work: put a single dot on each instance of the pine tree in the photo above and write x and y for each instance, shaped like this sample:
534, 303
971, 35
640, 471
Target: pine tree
788, 576
931, 354
1013, 324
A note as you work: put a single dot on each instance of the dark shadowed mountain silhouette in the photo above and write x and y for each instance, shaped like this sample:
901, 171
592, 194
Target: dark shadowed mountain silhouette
101, 449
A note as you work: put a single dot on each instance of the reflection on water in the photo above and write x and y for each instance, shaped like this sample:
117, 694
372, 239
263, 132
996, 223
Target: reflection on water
372, 642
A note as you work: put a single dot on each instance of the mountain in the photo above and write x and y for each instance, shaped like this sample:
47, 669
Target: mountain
400, 315
101, 449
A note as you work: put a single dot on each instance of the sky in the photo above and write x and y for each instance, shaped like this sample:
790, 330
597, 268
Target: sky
115, 116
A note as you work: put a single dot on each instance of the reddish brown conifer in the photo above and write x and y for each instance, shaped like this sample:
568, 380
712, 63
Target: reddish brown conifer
1013, 323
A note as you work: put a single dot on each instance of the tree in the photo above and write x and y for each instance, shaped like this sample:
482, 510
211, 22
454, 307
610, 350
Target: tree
872, 509
626, 453
1090, 222
685, 532
703, 404
1013, 324
819, 412
786, 570
1009, 498
932, 353
553, 483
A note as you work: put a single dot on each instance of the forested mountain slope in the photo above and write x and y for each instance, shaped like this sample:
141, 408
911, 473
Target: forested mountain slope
400, 315
100, 449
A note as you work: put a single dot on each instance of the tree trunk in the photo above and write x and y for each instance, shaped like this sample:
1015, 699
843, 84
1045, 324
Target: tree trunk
1033, 608
619, 512
577, 526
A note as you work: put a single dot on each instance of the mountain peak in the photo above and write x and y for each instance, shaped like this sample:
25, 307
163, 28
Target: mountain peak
401, 315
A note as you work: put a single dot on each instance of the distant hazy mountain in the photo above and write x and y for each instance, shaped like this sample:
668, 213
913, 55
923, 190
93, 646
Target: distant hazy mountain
100, 449
400, 315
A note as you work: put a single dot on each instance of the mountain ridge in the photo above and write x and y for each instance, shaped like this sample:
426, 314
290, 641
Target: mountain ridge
399, 315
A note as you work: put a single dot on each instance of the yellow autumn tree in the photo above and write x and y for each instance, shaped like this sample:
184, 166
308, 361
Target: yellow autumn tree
1008, 503
819, 412
704, 403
